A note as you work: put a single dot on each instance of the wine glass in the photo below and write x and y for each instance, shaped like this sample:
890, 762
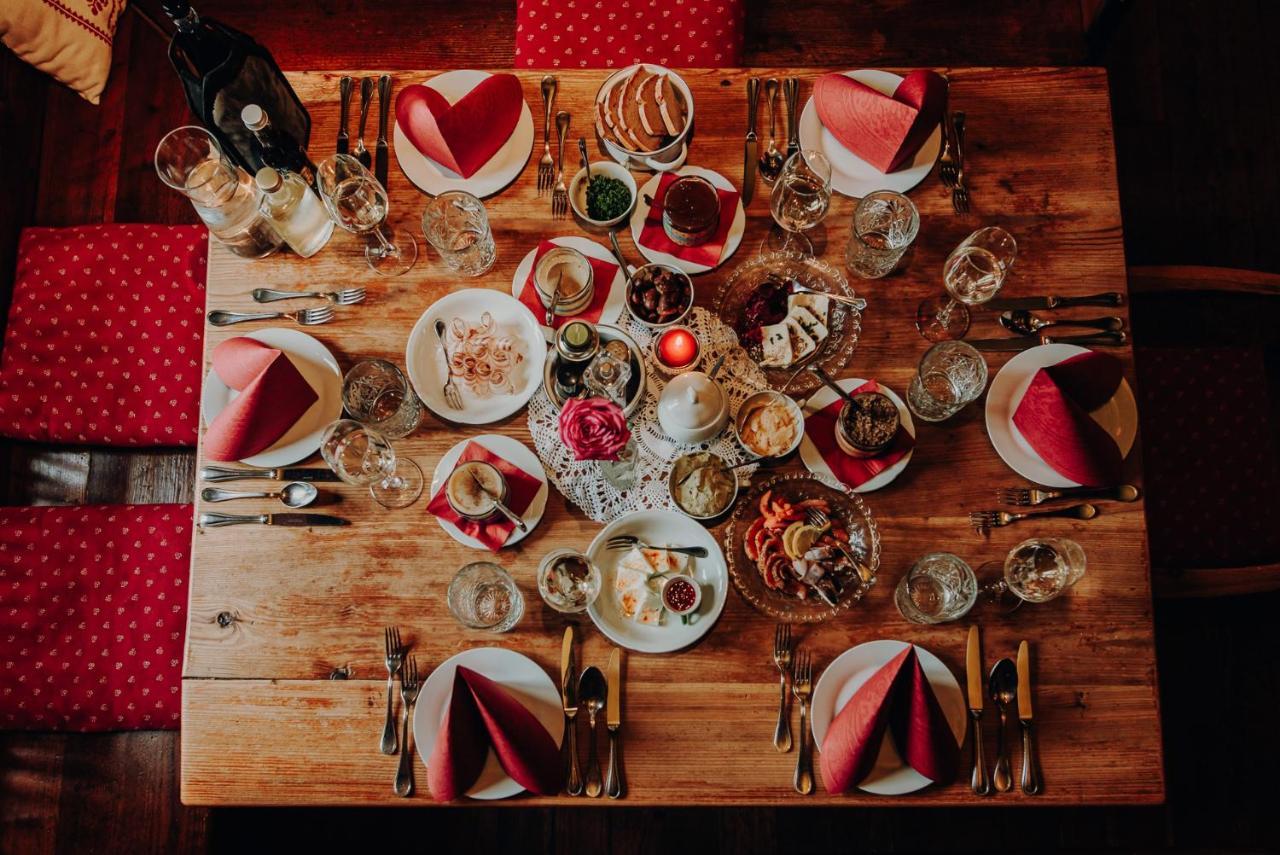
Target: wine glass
800, 198
1035, 571
973, 273
362, 456
357, 202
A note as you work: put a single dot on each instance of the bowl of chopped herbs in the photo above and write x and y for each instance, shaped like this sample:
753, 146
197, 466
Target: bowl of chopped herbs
607, 198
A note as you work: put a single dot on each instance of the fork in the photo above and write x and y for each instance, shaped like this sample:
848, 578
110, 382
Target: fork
626, 541
409, 687
306, 317
546, 166
960, 193
1025, 496
395, 659
452, 396
560, 196
947, 162
345, 297
782, 658
802, 688
984, 521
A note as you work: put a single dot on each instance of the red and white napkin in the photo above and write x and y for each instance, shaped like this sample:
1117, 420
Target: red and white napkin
884, 130
708, 253
1053, 416
603, 272
462, 136
852, 471
482, 714
897, 699
273, 396
521, 489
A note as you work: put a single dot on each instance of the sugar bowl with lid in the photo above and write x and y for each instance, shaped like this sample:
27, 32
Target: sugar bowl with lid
693, 408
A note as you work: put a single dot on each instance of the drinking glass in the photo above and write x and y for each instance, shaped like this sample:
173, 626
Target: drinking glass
378, 395
364, 457
484, 596
357, 203
973, 273
455, 223
938, 588
1039, 569
568, 592
800, 197
885, 225
951, 374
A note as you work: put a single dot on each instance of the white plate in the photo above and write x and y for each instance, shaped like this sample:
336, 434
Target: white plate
1118, 416
515, 453
520, 676
427, 368
844, 676
503, 168
617, 288
666, 528
317, 366
813, 461
731, 240
850, 174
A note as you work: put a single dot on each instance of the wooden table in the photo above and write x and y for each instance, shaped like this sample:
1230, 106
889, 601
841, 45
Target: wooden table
275, 612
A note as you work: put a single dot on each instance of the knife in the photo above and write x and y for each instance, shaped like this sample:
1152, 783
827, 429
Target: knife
613, 718
212, 520
973, 669
1111, 339
1031, 783
1107, 298
344, 88
569, 700
227, 473
791, 94
380, 148
749, 157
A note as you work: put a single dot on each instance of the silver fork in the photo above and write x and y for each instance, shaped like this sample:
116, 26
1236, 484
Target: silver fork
1026, 496
560, 196
960, 193
782, 658
395, 659
452, 396
947, 162
546, 166
409, 687
984, 521
626, 541
306, 317
802, 688
345, 297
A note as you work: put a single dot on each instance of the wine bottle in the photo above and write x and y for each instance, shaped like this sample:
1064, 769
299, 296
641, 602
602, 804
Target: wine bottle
274, 147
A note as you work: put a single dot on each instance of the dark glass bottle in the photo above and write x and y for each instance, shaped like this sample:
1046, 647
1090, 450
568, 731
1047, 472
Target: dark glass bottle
275, 148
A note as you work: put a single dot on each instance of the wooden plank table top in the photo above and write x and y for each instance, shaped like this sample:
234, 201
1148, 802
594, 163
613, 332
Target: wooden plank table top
275, 611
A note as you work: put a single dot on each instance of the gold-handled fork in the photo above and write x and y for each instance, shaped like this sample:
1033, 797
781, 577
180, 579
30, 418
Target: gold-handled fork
802, 688
546, 166
409, 687
560, 196
394, 662
1028, 496
984, 521
947, 165
304, 317
959, 193
782, 658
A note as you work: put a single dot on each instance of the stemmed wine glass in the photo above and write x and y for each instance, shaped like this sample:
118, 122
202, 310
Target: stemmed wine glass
1035, 571
800, 199
362, 456
973, 273
357, 202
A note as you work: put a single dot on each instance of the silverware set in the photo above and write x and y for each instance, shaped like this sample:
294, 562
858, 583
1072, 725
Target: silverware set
381, 157
343, 297
1008, 682
983, 521
303, 317
796, 669
400, 664
560, 195
601, 698
546, 166
297, 491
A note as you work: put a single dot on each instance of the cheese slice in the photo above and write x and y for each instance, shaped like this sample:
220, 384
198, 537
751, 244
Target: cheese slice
816, 303
663, 561
801, 344
775, 340
816, 329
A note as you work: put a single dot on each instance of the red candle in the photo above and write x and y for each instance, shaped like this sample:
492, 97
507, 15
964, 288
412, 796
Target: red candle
677, 348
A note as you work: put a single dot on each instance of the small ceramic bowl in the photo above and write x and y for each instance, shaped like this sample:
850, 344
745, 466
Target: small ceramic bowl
755, 402
648, 270
677, 468
682, 579
578, 192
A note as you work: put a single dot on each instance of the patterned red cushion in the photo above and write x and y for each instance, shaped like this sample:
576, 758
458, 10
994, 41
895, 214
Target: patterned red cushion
93, 604
617, 33
103, 342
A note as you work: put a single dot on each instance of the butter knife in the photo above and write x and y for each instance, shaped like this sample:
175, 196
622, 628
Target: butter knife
749, 156
1107, 298
973, 671
1111, 339
228, 473
1031, 783
569, 701
791, 94
380, 148
212, 520
344, 107
613, 718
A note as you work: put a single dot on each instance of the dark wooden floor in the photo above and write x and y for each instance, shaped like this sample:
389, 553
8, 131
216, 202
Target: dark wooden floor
1197, 132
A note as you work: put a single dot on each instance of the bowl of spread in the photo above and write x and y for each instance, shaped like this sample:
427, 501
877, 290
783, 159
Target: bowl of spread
565, 276
472, 488
867, 425
701, 485
690, 210
770, 425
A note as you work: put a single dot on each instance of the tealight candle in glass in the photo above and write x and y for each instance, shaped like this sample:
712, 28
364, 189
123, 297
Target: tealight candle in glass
676, 349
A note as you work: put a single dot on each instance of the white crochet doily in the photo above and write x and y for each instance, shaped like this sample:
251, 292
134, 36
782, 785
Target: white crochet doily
581, 482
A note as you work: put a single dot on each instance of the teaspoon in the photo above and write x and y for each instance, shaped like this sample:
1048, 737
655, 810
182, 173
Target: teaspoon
1004, 688
1023, 322
591, 693
293, 495
772, 161
831, 384
502, 508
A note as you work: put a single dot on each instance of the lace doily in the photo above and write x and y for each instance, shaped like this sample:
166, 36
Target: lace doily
581, 482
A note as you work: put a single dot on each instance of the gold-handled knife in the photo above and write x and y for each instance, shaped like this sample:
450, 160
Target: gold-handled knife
973, 669
569, 699
1031, 783
749, 156
613, 718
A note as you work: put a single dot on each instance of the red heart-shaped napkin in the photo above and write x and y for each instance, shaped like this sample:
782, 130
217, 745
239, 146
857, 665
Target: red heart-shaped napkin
462, 744
897, 698
493, 532
273, 396
853, 471
884, 130
1053, 416
602, 270
464, 135
707, 253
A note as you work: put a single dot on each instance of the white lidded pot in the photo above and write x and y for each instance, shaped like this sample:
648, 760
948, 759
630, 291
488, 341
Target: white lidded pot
693, 408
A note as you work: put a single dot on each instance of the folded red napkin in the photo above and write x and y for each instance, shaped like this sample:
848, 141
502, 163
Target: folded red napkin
481, 713
708, 253
897, 698
493, 532
464, 135
852, 471
273, 396
1054, 418
602, 271
884, 130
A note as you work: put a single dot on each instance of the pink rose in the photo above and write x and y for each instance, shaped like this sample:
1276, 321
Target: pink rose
593, 428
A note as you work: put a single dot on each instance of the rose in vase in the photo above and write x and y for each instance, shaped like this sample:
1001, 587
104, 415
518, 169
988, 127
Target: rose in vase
593, 428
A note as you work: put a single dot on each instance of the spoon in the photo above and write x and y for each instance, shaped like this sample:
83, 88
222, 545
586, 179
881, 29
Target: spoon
1004, 688
1023, 322
555, 298
297, 494
503, 509
586, 162
716, 366
831, 384
772, 161
853, 302
591, 692
697, 469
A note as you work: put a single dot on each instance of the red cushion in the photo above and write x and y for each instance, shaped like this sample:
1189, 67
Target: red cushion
104, 338
93, 604
617, 33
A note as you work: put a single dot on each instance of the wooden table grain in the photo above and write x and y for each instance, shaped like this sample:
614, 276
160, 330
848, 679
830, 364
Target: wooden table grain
275, 612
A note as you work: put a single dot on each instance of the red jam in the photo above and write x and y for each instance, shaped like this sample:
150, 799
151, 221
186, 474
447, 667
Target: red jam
680, 596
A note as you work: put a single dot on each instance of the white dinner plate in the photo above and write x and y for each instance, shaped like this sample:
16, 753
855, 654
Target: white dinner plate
1118, 416
503, 168
516, 673
850, 174
428, 369
317, 366
613, 305
666, 528
844, 676
813, 461
731, 241
515, 453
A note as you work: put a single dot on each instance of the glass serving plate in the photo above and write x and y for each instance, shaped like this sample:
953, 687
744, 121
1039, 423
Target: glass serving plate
845, 508
843, 321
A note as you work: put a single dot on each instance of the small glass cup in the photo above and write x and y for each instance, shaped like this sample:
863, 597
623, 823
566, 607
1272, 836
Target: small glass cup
358, 203
1040, 569
800, 198
361, 456
483, 595
456, 224
568, 581
973, 273
951, 375
939, 587
378, 395
885, 224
